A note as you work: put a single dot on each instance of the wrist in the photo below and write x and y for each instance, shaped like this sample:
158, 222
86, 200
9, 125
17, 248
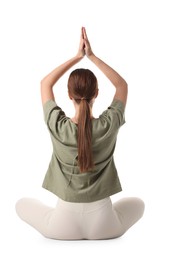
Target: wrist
91, 56
78, 57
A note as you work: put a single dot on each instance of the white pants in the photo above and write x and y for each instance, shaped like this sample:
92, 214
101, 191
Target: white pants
94, 220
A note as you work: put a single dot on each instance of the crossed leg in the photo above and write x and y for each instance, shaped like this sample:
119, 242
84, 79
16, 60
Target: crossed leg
58, 223
129, 211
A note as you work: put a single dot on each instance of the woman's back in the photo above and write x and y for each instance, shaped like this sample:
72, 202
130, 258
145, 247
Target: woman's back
74, 185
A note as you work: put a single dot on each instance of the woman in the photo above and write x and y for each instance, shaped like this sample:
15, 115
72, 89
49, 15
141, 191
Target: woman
82, 172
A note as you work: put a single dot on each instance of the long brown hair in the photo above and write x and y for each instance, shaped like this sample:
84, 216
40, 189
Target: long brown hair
82, 87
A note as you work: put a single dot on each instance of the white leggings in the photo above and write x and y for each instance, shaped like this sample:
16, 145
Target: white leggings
70, 221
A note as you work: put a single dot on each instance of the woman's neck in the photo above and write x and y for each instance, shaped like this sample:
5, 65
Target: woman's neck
76, 106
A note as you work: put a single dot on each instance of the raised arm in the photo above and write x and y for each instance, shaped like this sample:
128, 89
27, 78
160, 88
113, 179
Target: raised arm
118, 82
49, 81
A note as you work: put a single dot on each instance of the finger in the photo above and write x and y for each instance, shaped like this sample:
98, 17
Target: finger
84, 33
86, 42
82, 44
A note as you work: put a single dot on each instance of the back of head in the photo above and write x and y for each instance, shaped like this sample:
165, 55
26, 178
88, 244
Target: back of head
82, 87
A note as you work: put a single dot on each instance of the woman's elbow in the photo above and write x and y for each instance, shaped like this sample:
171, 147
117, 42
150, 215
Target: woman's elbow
125, 84
43, 82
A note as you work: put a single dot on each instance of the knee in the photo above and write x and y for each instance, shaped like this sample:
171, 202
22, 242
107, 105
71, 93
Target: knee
129, 210
136, 207
20, 207
139, 207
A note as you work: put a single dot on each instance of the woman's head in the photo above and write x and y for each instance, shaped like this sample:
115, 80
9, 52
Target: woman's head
83, 88
82, 83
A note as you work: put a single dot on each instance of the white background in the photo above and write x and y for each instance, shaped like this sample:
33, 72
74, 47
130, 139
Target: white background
134, 37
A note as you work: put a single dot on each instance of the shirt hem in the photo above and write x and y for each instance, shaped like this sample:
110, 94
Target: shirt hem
76, 198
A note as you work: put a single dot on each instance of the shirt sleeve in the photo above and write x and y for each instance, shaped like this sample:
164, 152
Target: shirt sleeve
115, 113
52, 115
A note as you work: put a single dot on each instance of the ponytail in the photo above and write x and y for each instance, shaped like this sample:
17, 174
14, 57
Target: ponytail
82, 87
85, 157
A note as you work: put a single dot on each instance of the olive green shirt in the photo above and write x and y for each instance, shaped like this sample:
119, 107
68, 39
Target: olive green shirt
63, 177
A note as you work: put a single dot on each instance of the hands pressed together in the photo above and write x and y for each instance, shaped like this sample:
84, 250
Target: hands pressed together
84, 49
84, 46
